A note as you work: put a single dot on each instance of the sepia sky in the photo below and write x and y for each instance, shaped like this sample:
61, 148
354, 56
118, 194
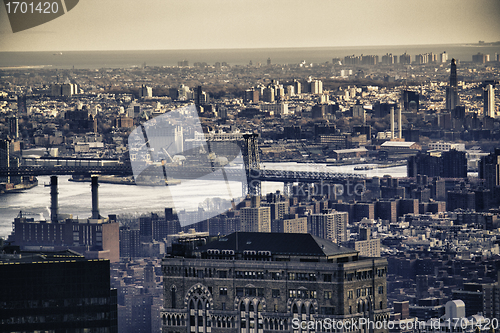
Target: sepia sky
213, 24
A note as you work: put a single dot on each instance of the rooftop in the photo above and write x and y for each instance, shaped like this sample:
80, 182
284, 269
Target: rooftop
278, 244
407, 144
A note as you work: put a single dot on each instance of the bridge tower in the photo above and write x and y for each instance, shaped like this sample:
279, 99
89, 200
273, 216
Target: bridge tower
252, 164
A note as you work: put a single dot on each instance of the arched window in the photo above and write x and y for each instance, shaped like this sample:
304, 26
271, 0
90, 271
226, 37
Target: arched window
172, 296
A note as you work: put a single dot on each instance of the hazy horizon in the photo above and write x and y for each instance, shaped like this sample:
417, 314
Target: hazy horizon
127, 25
486, 44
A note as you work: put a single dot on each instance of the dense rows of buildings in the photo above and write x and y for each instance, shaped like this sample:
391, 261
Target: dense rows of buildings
375, 247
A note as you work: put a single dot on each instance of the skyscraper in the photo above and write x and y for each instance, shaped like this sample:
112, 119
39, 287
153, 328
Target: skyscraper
489, 101
55, 292
452, 90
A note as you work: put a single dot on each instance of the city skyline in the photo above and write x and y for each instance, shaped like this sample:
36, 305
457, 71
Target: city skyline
223, 24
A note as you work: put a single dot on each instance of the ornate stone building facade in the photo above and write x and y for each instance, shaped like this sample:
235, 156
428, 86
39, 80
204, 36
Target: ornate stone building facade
270, 282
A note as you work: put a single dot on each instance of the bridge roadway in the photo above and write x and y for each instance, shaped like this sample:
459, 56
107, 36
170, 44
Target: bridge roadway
231, 174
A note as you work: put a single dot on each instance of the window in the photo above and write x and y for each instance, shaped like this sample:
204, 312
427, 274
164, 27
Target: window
250, 292
276, 293
328, 294
239, 292
313, 293
327, 277
358, 292
380, 290
292, 293
173, 297
223, 274
275, 276
291, 276
260, 292
327, 311
350, 294
223, 291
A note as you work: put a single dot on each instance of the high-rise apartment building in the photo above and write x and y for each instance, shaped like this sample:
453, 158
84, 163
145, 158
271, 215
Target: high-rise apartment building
489, 169
256, 218
331, 226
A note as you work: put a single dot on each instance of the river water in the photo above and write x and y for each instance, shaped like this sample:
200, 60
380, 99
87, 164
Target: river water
75, 197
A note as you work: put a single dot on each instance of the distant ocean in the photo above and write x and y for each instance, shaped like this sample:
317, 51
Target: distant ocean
127, 59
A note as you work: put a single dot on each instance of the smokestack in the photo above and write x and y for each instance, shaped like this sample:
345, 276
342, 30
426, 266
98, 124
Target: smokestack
400, 125
95, 198
53, 199
392, 122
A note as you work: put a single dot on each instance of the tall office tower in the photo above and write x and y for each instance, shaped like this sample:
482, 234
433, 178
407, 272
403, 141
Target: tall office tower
489, 169
55, 292
239, 283
256, 218
452, 90
489, 101
331, 226
269, 61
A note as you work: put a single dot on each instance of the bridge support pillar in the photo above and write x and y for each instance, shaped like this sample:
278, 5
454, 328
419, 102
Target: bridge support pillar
95, 198
53, 199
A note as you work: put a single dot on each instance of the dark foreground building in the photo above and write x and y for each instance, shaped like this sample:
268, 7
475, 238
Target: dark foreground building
265, 282
55, 292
